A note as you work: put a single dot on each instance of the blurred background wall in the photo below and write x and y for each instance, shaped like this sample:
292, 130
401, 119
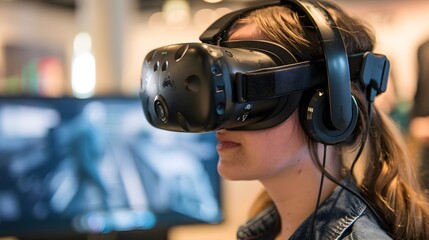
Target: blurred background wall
43, 41
122, 32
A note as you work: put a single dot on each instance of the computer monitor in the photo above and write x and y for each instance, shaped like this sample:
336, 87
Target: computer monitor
95, 166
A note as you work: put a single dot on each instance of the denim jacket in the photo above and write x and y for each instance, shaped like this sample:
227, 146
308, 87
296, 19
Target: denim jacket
341, 216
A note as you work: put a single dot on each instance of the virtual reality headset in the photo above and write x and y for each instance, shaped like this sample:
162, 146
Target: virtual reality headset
250, 85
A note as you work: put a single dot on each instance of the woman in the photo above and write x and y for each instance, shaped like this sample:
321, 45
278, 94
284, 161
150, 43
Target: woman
379, 196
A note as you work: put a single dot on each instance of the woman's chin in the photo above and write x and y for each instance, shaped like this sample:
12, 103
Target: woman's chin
232, 172
228, 172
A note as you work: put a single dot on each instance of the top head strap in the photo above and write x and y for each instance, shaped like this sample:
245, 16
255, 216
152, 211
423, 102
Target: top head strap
336, 61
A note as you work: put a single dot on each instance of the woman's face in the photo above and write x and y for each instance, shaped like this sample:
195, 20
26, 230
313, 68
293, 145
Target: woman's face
248, 155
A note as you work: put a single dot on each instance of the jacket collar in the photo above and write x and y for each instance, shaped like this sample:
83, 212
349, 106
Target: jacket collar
333, 218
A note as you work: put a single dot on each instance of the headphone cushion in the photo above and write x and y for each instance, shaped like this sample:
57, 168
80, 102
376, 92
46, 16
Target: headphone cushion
315, 120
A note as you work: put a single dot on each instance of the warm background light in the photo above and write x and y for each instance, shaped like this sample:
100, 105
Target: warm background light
83, 76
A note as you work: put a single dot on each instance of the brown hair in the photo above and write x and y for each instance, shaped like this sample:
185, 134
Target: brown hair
386, 174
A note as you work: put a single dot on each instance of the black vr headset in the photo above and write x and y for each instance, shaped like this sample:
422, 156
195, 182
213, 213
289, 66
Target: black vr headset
252, 85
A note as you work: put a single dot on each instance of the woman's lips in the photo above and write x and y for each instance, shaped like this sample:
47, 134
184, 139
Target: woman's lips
225, 142
224, 145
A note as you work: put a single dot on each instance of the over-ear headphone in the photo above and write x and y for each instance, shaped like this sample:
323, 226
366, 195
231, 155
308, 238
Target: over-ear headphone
314, 116
328, 115
252, 85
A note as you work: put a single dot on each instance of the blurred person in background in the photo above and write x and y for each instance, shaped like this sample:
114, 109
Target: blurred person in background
419, 117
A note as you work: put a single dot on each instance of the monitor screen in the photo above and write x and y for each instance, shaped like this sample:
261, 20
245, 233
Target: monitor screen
96, 166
